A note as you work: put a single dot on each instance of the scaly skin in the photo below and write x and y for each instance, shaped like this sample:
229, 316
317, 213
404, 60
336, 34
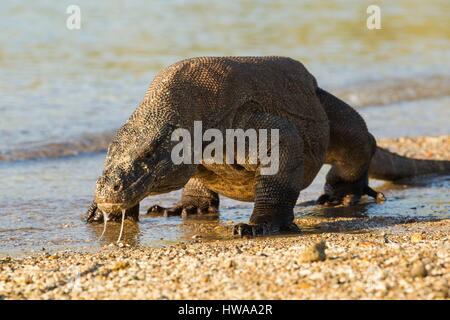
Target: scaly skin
243, 92
355, 157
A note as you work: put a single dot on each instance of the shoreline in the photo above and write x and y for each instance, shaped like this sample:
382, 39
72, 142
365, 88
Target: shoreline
373, 257
385, 258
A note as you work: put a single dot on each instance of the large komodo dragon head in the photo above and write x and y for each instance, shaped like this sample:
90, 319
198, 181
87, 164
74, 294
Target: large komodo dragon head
139, 163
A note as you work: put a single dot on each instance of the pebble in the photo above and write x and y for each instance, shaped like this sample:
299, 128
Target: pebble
314, 253
231, 264
120, 265
416, 237
418, 270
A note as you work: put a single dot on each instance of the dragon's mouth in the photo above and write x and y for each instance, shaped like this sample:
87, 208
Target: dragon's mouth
110, 207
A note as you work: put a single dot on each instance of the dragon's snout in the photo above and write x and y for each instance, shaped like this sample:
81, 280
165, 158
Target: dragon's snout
109, 192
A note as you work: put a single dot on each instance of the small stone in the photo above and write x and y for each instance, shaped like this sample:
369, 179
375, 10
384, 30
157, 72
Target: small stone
120, 265
314, 253
303, 285
367, 244
416, 237
418, 270
262, 254
121, 245
6, 260
26, 279
231, 264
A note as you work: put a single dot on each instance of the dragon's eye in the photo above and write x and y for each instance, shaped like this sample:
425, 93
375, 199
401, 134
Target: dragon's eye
150, 149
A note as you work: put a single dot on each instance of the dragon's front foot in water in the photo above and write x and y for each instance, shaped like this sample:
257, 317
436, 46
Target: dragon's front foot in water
263, 229
93, 214
196, 199
183, 210
188, 206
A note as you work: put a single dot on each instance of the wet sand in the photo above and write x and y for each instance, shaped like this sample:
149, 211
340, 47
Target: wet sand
334, 258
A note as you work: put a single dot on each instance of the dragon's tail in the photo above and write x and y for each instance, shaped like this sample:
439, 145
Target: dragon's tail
386, 165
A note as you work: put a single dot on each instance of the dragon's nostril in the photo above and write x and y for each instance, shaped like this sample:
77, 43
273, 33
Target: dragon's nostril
116, 187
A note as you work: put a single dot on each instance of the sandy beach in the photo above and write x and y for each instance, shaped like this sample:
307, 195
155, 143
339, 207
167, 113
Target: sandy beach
334, 258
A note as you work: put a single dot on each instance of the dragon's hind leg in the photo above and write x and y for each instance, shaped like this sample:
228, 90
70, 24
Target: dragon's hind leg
349, 153
196, 199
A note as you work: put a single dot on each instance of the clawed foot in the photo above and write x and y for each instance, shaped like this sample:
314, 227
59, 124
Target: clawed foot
349, 199
181, 210
93, 214
253, 230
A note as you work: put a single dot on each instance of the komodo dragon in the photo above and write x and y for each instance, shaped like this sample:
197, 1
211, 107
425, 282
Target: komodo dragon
315, 128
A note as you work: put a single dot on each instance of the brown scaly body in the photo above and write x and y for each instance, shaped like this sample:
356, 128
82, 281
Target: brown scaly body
243, 92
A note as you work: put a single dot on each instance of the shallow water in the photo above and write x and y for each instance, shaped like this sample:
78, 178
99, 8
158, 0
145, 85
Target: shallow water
63, 92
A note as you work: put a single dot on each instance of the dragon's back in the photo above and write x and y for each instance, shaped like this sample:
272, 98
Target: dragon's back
216, 86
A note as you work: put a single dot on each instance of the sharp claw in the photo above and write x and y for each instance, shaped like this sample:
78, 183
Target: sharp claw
238, 229
155, 209
235, 230
350, 200
291, 228
189, 210
380, 197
